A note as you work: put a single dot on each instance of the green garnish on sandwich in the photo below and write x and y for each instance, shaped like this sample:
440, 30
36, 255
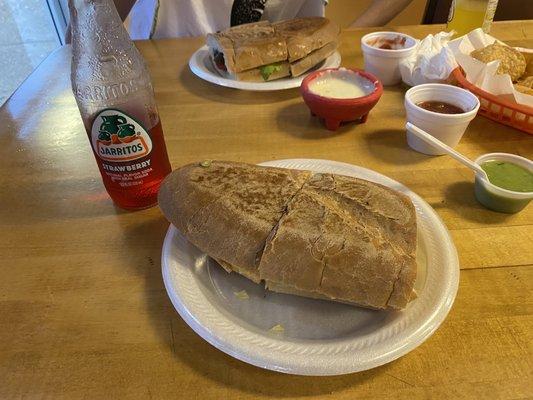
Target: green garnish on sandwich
267, 70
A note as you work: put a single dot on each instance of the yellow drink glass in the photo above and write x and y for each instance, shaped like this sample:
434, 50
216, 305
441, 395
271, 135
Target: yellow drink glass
466, 15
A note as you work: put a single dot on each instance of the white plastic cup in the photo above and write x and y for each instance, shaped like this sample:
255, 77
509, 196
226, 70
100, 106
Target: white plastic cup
448, 128
385, 63
495, 197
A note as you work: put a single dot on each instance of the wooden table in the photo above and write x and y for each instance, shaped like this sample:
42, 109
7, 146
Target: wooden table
83, 310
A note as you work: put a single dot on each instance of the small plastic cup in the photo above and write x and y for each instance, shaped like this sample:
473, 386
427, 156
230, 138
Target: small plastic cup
497, 198
384, 63
448, 128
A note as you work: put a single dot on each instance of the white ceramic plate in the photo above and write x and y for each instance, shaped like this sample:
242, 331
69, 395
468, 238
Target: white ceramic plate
200, 64
319, 337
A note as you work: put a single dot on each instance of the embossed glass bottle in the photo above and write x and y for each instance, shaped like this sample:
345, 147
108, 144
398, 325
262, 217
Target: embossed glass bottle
115, 97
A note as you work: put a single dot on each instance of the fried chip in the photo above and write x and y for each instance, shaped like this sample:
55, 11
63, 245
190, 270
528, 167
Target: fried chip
529, 67
523, 89
512, 62
527, 82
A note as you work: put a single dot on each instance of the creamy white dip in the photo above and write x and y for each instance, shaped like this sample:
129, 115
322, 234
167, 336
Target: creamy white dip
341, 84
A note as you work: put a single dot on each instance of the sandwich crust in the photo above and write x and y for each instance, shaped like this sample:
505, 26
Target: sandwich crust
228, 209
305, 64
316, 235
249, 46
305, 35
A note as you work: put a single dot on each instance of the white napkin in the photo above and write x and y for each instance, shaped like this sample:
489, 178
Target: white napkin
431, 62
484, 75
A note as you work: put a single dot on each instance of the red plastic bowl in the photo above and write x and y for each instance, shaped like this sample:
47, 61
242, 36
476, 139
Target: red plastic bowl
334, 111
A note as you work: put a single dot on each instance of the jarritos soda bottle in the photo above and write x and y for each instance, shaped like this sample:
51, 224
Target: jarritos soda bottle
116, 100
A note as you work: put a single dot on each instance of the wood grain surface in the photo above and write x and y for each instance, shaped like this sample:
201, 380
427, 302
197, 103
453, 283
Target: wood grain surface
83, 310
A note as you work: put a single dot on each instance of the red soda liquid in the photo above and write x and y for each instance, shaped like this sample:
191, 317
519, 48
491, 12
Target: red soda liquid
132, 177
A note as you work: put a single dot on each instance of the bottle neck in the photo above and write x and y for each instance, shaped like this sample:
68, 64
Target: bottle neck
106, 65
97, 27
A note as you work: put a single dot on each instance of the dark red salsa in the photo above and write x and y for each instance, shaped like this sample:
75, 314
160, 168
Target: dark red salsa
440, 107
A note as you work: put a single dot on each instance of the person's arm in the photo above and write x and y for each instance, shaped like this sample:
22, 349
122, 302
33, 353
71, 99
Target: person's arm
380, 12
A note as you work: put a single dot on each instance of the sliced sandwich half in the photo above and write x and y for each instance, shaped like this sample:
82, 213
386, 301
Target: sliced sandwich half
309, 41
263, 51
311, 234
250, 52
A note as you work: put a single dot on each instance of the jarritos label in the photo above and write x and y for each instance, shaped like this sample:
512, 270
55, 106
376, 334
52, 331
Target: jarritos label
117, 137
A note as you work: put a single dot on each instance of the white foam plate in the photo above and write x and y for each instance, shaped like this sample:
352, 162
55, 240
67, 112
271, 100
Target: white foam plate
319, 337
200, 64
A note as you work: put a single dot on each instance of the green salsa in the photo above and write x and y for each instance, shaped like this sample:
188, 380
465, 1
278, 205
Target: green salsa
509, 176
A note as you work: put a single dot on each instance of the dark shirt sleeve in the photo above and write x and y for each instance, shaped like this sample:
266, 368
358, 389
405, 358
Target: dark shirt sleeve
246, 11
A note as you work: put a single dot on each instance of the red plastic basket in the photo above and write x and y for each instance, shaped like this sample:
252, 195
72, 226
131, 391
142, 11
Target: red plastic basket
518, 116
